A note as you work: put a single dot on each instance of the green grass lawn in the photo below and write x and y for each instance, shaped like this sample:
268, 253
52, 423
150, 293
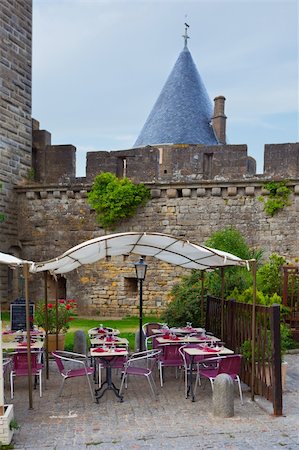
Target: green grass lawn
127, 327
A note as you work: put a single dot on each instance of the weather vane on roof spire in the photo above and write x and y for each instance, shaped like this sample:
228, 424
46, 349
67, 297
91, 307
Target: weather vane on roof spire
185, 36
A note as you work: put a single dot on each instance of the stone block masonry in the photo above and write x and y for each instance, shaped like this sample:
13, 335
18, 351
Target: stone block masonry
54, 219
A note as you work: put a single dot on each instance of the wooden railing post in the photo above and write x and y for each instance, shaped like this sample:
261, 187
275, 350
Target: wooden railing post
285, 286
230, 332
276, 360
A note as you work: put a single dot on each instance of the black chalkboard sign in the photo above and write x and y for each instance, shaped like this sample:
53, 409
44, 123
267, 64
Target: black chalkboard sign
18, 315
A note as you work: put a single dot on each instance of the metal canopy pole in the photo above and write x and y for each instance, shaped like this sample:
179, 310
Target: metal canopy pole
253, 329
222, 303
26, 276
46, 321
140, 317
202, 294
56, 310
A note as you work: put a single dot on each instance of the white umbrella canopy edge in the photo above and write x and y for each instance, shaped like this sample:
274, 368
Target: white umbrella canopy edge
13, 261
161, 246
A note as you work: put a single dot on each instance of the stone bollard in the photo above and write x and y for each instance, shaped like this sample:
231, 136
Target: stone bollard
80, 343
223, 396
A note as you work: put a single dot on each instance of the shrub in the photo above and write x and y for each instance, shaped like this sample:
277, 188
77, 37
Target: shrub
269, 277
286, 343
186, 302
115, 199
230, 240
278, 196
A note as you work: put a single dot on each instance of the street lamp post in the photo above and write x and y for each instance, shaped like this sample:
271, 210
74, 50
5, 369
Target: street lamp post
140, 268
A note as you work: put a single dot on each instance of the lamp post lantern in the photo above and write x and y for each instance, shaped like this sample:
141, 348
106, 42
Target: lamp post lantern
140, 268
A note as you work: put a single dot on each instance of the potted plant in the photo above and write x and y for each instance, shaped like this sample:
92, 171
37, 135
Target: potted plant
66, 312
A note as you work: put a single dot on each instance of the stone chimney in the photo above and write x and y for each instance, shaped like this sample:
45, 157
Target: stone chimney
219, 119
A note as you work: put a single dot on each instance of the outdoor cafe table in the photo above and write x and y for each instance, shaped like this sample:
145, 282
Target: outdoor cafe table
108, 357
14, 334
181, 330
186, 340
13, 345
103, 340
104, 332
193, 352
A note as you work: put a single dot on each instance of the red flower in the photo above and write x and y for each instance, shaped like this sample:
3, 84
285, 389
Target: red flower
68, 307
50, 305
61, 301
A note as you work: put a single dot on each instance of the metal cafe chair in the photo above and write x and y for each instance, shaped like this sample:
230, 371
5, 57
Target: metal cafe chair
151, 341
20, 368
230, 365
170, 357
134, 366
198, 362
149, 327
73, 365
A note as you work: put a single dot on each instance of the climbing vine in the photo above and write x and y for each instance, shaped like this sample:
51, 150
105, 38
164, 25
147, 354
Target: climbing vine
116, 199
278, 196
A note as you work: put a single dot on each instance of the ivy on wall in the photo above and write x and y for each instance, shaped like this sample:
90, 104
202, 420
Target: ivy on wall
278, 196
116, 199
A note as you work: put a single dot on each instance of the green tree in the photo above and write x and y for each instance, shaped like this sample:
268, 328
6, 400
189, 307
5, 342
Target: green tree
230, 240
269, 277
116, 199
186, 302
186, 295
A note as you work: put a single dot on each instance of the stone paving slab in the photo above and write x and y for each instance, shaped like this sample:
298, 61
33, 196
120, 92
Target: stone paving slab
74, 421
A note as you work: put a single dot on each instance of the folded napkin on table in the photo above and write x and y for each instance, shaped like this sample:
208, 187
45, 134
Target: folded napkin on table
211, 350
99, 350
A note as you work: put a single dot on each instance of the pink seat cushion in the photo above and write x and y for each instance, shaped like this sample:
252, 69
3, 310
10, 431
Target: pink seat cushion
79, 372
138, 371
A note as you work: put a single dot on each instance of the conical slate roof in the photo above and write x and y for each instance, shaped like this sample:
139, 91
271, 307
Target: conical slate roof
183, 110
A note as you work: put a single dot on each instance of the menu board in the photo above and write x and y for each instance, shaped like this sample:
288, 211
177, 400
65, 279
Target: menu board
18, 315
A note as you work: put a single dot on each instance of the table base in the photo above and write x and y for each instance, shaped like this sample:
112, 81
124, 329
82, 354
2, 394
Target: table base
108, 385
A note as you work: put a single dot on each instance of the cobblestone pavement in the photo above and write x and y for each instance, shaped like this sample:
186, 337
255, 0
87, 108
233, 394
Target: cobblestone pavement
73, 421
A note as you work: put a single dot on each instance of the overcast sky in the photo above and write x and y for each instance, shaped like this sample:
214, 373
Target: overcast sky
99, 66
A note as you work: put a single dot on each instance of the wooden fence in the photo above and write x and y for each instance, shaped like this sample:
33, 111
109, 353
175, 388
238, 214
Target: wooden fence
263, 372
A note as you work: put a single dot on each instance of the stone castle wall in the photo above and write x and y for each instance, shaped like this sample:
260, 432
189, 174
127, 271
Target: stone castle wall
196, 190
15, 111
54, 218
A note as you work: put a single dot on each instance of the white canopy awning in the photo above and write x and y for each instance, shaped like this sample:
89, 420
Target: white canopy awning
12, 260
161, 246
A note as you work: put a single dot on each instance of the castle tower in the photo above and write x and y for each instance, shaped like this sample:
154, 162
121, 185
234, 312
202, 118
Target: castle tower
15, 125
183, 111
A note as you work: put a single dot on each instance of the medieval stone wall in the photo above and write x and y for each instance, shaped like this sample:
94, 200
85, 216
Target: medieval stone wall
54, 219
15, 124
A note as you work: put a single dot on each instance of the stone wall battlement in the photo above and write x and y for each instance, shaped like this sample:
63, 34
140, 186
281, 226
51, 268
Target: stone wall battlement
250, 189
